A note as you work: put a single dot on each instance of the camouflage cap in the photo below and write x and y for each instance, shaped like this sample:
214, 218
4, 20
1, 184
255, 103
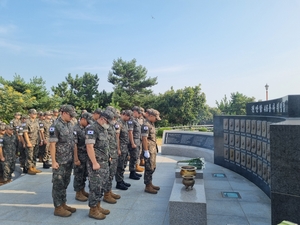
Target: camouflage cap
84, 111
25, 117
68, 109
32, 111
9, 127
87, 116
136, 108
142, 110
98, 111
2, 127
113, 110
127, 112
155, 113
18, 114
48, 113
41, 113
55, 110
108, 115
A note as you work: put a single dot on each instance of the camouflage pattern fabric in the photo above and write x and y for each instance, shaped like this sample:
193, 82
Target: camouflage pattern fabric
134, 152
45, 126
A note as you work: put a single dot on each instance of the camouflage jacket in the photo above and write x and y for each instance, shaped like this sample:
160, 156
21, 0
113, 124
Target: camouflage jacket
62, 133
80, 142
148, 130
113, 148
10, 144
122, 128
45, 126
32, 129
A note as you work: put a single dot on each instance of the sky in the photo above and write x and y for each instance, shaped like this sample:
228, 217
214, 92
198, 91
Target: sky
226, 46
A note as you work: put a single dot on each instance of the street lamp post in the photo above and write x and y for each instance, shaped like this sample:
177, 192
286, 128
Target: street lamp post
267, 94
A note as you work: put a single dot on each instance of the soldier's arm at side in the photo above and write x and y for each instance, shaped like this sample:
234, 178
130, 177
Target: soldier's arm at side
25, 135
118, 143
91, 154
52, 148
1, 155
145, 143
130, 134
76, 159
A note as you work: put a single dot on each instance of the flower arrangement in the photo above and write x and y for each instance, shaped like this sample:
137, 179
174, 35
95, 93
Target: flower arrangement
197, 162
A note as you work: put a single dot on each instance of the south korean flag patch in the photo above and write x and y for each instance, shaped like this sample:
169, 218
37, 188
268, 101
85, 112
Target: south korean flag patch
146, 128
90, 132
117, 126
51, 129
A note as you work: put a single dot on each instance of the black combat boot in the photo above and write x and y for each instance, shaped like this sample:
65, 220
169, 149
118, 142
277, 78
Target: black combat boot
138, 175
121, 186
45, 165
133, 176
25, 170
126, 184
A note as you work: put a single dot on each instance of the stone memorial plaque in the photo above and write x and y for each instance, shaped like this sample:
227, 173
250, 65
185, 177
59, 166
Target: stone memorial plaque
243, 159
258, 148
226, 138
237, 157
259, 167
237, 125
265, 172
253, 145
243, 126
199, 140
268, 153
232, 156
249, 163
253, 127
268, 130
231, 124
269, 175
243, 142
254, 164
237, 141
209, 143
264, 128
225, 124
231, 139
226, 154
173, 138
264, 150
186, 139
248, 143
248, 126
258, 128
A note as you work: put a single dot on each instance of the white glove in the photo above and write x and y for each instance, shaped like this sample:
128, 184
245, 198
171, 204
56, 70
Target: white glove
146, 154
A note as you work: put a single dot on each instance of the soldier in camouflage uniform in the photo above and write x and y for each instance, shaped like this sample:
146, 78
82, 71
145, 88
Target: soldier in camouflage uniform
141, 119
42, 145
55, 115
150, 149
122, 141
16, 123
97, 146
134, 145
109, 196
22, 144
44, 131
9, 144
96, 114
2, 133
81, 157
31, 137
62, 151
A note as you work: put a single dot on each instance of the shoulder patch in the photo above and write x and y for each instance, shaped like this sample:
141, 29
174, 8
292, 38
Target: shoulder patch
1, 140
51, 129
146, 128
129, 122
117, 126
90, 132
41, 124
75, 132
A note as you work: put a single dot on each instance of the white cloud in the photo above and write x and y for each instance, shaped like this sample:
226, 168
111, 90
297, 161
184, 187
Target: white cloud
7, 29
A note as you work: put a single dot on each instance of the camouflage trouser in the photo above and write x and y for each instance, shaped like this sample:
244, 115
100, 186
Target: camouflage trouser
8, 168
140, 154
122, 162
31, 154
134, 155
46, 155
150, 165
97, 180
61, 179
112, 173
22, 156
80, 174
41, 151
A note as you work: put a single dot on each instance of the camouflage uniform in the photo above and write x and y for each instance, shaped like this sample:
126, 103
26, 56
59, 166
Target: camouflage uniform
80, 172
16, 123
141, 121
122, 128
97, 135
62, 133
45, 126
32, 129
134, 152
113, 153
148, 130
22, 149
42, 146
9, 145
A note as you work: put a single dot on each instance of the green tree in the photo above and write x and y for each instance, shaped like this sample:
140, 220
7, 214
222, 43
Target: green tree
236, 105
131, 85
182, 107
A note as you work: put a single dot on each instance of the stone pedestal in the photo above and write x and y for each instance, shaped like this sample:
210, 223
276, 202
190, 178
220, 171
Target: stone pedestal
285, 171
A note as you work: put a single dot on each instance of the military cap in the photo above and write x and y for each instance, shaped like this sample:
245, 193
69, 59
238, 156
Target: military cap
142, 110
155, 113
9, 127
48, 113
113, 110
55, 110
127, 112
84, 111
68, 109
25, 117
32, 111
108, 115
136, 108
2, 127
41, 113
87, 116
18, 114
98, 111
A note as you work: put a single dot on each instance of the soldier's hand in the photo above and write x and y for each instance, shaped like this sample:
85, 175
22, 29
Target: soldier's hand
29, 145
45, 142
2, 159
55, 165
96, 166
77, 163
133, 145
119, 152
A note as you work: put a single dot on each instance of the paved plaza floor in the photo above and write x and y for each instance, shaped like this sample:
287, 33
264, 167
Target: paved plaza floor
28, 200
